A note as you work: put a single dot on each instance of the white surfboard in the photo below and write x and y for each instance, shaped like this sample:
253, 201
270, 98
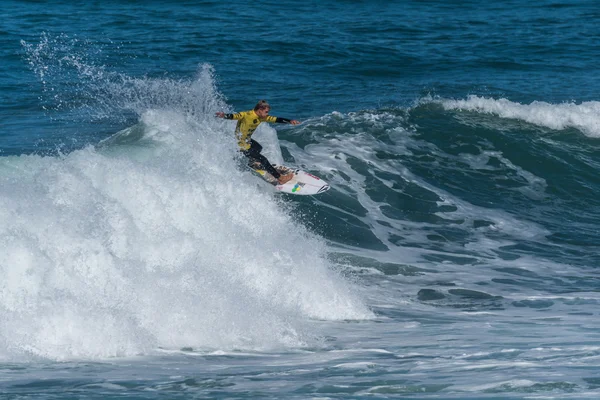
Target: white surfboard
302, 183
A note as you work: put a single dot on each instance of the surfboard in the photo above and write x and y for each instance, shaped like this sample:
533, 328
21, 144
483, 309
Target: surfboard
303, 183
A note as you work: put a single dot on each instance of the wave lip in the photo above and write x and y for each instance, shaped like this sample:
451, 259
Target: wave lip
584, 116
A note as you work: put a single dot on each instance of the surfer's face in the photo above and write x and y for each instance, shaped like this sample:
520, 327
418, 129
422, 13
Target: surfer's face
263, 112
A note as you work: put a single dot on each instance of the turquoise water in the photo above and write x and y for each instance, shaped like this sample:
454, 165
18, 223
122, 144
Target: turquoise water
454, 257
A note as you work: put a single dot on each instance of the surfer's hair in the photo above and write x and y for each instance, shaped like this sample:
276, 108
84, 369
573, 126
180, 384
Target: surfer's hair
261, 105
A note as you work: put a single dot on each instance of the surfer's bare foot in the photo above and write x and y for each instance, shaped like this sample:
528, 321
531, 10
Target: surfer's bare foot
285, 178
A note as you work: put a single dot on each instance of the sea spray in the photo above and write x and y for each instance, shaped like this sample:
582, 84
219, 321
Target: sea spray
160, 241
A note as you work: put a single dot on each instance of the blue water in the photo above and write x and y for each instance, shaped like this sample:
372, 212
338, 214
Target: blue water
455, 256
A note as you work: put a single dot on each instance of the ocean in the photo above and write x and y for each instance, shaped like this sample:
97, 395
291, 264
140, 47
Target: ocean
456, 255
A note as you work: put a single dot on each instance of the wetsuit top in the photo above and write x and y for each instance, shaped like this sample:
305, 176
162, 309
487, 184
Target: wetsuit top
248, 121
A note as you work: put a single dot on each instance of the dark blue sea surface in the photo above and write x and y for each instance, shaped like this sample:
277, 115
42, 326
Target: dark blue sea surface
455, 257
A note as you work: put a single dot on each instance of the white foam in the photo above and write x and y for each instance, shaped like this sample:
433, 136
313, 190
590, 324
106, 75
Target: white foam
584, 116
119, 250
511, 383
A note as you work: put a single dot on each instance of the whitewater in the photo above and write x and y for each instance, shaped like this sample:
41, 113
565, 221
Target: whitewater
120, 250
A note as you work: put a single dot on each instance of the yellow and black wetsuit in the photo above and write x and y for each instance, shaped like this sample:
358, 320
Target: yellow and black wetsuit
248, 121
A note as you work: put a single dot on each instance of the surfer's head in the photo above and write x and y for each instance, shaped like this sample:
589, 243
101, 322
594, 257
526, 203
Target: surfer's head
262, 105
262, 108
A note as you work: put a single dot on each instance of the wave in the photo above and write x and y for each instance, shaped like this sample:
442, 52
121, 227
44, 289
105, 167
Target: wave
149, 240
155, 238
584, 117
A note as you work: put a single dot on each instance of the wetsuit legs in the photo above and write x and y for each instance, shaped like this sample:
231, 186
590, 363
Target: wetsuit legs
258, 161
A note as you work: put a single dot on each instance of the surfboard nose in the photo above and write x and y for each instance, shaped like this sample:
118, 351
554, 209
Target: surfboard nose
323, 189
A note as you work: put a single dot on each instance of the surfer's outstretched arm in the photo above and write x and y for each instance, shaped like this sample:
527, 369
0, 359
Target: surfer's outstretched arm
280, 120
237, 116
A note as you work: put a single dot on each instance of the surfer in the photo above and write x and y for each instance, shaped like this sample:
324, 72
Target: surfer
247, 122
